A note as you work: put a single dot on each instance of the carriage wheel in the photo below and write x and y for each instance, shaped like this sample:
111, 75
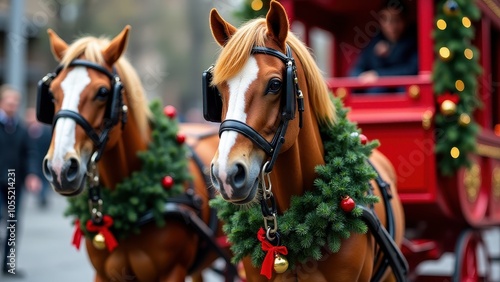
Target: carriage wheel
467, 255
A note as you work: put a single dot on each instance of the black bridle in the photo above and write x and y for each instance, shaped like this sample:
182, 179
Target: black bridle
115, 100
292, 90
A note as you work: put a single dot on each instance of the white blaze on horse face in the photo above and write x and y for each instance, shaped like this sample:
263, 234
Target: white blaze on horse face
238, 86
72, 86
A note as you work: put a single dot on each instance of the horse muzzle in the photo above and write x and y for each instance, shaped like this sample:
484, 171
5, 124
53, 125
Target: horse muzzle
236, 183
68, 178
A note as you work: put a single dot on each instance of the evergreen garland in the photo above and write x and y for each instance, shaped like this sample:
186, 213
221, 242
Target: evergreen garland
314, 222
143, 190
455, 77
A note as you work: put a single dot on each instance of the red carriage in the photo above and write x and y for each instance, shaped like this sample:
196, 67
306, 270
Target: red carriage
445, 212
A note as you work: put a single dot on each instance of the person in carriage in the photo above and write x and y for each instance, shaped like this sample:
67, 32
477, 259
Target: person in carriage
393, 51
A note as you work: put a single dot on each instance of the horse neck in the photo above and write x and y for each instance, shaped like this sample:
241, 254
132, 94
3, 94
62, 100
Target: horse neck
120, 159
293, 173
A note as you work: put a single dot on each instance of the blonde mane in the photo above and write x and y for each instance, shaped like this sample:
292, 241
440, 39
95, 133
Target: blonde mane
91, 48
238, 49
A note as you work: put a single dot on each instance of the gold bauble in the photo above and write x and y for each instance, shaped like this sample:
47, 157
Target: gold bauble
441, 24
459, 85
455, 152
280, 264
466, 22
444, 53
99, 242
448, 108
468, 53
464, 119
257, 5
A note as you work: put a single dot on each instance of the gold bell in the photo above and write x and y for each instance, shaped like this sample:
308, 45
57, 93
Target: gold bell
464, 119
448, 107
99, 242
280, 264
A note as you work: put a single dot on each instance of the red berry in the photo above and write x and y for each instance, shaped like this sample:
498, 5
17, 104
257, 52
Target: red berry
167, 182
363, 139
181, 138
170, 111
347, 204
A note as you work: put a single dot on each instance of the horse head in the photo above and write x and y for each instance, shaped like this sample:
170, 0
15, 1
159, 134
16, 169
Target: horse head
82, 100
257, 80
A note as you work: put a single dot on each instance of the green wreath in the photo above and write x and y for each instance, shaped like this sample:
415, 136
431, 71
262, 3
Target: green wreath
143, 190
314, 223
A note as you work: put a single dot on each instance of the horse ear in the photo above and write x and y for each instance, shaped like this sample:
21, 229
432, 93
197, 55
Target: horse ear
277, 23
221, 30
57, 45
116, 47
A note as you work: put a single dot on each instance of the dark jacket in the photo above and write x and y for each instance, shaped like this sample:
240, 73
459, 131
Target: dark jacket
401, 60
17, 152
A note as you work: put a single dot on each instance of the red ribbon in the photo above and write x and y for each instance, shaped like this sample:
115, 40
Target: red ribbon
77, 235
109, 239
268, 263
448, 96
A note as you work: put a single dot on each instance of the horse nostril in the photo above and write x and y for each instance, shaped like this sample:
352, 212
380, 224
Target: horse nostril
46, 170
73, 169
240, 176
213, 176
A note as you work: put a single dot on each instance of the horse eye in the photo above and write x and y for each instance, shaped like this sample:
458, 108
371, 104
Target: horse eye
102, 93
274, 86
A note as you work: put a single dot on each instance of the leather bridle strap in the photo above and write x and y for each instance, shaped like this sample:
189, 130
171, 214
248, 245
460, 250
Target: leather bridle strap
268, 51
80, 121
272, 148
250, 133
99, 140
88, 64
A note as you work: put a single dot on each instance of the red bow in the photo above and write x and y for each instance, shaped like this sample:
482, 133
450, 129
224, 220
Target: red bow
77, 235
268, 263
109, 239
448, 96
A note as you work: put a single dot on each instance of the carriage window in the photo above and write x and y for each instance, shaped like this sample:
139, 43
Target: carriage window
391, 51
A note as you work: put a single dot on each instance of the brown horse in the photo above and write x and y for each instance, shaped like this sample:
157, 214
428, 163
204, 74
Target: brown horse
263, 145
88, 107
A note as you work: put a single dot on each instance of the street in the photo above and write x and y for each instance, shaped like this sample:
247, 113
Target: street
45, 253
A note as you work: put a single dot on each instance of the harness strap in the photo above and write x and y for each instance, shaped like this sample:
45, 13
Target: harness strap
212, 220
180, 208
187, 207
385, 190
397, 261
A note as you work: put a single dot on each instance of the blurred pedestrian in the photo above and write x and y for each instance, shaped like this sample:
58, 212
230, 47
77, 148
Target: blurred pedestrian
18, 169
40, 135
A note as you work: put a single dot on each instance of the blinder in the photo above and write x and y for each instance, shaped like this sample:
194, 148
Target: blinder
212, 103
45, 108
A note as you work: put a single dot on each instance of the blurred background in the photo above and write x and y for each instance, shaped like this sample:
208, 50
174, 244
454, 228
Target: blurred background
170, 42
